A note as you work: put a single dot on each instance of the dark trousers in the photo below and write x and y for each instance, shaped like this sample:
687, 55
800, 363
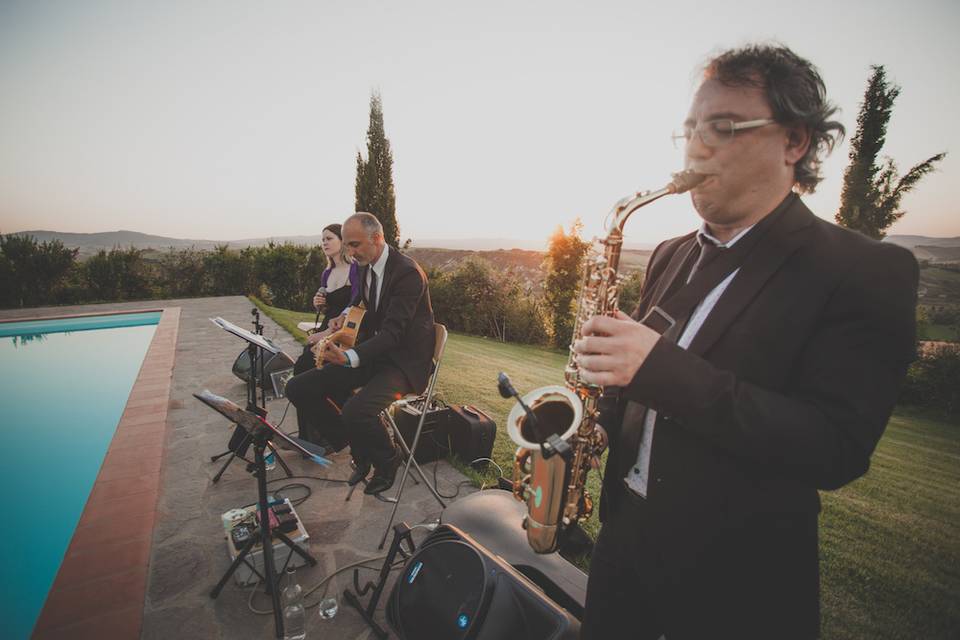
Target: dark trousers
326, 407
305, 362
642, 586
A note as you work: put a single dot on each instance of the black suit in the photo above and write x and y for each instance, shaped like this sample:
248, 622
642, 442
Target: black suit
395, 350
785, 389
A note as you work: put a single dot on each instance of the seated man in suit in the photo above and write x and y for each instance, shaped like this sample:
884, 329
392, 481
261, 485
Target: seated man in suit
392, 358
776, 379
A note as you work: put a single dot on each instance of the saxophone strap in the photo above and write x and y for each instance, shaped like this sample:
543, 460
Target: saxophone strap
670, 316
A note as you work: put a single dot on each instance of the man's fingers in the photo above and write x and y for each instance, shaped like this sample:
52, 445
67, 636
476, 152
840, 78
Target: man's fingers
597, 362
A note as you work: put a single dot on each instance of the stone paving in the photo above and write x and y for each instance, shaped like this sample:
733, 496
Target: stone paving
188, 552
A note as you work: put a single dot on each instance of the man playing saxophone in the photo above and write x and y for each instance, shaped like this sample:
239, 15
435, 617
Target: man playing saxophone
725, 421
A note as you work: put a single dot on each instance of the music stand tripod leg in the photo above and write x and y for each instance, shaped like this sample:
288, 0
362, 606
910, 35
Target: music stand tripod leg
270, 578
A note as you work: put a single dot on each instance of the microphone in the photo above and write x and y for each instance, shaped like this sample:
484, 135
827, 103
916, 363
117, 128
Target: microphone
554, 444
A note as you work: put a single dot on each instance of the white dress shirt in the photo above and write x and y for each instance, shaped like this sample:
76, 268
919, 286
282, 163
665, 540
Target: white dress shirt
639, 474
378, 267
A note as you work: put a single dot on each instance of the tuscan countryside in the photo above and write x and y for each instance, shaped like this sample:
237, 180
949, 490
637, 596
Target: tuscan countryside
497, 321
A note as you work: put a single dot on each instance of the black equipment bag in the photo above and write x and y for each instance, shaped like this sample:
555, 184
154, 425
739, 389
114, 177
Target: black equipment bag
463, 430
433, 439
471, 433
454, 588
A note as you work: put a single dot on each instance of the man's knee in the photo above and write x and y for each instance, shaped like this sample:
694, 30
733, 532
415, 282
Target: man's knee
295, 389
355, 411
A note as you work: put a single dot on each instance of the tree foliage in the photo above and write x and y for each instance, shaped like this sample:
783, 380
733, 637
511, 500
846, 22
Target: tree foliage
564, 266
118, 274
374, 181
33, 273
476, 298
873, 189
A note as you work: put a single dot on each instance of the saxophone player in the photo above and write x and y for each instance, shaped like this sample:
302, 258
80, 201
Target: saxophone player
777, 384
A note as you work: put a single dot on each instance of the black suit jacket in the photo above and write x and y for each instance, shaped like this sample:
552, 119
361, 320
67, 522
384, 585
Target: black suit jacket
786, 389
400, 331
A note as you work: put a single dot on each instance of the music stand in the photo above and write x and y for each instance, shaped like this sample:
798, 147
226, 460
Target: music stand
256, 345
261, 432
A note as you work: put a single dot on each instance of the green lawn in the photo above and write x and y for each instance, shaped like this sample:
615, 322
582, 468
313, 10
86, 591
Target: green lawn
890, 542
941, 332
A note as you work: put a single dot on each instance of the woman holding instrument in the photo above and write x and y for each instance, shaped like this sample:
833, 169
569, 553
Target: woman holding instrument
338, 284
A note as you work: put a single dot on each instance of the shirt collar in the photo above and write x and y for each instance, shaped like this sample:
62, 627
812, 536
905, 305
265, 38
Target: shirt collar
704, 235
381, 264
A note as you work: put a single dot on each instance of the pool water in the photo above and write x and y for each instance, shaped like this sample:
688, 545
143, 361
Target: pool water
63, 387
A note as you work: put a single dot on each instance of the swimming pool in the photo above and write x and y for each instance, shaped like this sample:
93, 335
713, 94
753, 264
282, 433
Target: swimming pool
63, 387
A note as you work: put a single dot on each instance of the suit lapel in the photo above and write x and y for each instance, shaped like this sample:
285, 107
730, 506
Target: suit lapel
674, 275
785, 237
388, 270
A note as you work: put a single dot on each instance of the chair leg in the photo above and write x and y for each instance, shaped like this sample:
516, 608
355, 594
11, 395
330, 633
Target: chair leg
410, 460
403, 443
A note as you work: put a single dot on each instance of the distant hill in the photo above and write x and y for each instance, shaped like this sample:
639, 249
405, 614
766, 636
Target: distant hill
929, 249
912, 242
523, 255
526, 266
90, 243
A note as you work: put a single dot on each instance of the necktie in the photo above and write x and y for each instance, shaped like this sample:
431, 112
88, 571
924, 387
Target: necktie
372, 291
638, 441
708, 251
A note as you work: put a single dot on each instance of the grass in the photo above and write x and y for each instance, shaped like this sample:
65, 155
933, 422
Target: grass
889, 542
939, 286
941, 332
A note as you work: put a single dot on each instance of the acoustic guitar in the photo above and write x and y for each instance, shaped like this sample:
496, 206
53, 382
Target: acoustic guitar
345, 337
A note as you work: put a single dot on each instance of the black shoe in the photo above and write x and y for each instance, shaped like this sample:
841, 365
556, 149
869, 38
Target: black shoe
383, 475
360, 470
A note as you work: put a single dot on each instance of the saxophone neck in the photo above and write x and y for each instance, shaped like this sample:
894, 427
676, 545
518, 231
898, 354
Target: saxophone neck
681, 182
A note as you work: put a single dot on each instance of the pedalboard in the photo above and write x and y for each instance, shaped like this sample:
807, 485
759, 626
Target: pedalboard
241, 524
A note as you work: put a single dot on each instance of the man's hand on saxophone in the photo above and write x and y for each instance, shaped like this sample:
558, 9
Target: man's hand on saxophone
613, 349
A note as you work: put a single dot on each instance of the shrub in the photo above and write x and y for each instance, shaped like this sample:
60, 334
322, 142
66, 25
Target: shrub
933, 380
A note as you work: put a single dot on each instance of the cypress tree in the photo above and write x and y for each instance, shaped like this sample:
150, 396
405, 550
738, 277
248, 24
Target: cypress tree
374, 182
872, 190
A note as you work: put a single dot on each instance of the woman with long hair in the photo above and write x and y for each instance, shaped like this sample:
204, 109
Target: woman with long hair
339, 282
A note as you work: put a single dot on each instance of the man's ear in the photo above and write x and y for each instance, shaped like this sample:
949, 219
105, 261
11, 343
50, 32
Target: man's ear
798, 142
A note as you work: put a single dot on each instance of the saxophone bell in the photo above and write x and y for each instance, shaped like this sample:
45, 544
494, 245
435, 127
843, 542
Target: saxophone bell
541, 480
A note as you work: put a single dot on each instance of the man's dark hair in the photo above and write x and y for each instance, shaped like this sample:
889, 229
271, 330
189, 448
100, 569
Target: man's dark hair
796, 93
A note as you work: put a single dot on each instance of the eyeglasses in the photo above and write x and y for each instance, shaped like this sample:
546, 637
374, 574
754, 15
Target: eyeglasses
716, 133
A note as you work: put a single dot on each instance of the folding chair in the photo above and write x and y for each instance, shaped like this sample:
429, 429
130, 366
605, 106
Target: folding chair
425, 398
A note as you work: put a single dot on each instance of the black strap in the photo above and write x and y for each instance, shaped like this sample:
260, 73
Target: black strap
678, 307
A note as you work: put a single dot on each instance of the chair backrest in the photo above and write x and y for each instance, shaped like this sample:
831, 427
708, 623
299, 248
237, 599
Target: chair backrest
440, 342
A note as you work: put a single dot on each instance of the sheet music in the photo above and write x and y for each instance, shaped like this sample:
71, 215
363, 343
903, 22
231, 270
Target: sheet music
251, 422
249, 336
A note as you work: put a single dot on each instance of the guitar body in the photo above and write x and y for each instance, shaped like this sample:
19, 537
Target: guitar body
345, 338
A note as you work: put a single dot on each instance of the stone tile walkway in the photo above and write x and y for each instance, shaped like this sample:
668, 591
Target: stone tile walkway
188, 552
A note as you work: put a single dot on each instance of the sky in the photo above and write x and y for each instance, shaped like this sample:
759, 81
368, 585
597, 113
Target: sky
227, 120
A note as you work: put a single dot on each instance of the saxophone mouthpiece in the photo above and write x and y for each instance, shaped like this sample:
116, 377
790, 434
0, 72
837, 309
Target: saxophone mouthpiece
686, 180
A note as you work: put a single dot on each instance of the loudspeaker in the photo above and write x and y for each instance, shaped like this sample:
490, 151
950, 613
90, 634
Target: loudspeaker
274, 362
454, 588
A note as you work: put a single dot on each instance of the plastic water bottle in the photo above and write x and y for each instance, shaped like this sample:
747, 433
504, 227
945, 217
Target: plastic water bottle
294, 617
269, 459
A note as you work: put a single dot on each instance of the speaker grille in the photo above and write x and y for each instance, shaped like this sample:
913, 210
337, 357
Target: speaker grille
441, 591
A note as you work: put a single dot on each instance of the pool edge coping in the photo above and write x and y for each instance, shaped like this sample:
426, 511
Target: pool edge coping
100, 587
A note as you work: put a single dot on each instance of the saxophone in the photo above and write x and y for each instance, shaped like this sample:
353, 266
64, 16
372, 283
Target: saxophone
554, 484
